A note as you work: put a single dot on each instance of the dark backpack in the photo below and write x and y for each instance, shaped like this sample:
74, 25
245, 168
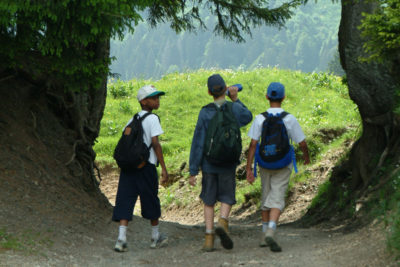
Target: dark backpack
131, 152
274, 150
223, 142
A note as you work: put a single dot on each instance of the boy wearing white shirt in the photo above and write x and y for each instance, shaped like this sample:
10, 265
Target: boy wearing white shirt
143, 182
274, 182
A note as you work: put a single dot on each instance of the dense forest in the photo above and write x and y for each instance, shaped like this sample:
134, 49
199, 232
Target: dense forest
308, 42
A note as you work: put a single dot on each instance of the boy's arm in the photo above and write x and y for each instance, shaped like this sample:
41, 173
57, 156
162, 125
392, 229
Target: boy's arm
250, 158
196, 150
304, 148
242, 113
158, 151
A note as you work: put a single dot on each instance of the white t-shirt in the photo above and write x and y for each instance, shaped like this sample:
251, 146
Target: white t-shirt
151, 127
293, 128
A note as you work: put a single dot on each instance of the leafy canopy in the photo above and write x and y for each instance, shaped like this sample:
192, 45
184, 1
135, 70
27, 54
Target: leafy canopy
382, 31
66, 41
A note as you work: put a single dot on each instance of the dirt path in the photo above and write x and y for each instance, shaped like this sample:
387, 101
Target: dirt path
301, 247
86, 237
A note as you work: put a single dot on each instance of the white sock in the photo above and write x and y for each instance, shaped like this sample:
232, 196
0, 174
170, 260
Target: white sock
122, 233
154, 232
264, 226
272, 224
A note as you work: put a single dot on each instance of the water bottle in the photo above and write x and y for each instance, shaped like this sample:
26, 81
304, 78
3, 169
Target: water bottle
238, 85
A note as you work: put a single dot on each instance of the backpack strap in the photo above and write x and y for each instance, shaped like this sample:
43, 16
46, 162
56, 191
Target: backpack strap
281, 115
147, 114
211, 105
141, 119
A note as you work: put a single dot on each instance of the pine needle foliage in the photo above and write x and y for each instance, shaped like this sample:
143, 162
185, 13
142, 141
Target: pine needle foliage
59, 40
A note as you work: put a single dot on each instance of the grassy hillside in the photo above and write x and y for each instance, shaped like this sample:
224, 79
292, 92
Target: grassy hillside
318, 100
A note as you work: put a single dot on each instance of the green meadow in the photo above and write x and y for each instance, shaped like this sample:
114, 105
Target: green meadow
319, 101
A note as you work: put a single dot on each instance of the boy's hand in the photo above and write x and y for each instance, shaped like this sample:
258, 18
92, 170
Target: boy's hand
233, 93
250, 176
192, 180
164, 177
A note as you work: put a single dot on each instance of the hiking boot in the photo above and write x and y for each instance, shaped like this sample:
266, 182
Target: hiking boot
262, 241
270, 240
223, 233
208, 243
162, 241
120, 246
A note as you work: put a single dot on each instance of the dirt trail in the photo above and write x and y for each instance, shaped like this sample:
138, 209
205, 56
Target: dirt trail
90, 243
301, 247
86, 237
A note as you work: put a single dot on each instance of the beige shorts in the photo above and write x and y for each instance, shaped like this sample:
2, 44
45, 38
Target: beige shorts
274, 184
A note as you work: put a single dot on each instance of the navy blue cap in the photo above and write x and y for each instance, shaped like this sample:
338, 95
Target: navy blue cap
215, 83
276, 91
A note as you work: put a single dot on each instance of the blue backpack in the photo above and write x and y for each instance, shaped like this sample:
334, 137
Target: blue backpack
274, 151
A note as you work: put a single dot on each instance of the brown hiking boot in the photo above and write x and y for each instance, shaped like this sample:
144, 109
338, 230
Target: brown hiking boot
208, 243
223, 233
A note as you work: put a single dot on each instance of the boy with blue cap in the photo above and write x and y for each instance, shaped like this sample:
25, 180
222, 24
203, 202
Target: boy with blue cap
274, 182
218, 181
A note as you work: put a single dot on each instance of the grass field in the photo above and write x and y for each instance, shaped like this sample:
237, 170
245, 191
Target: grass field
319, 101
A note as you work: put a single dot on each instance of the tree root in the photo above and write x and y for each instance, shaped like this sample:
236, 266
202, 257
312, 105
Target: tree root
73, 153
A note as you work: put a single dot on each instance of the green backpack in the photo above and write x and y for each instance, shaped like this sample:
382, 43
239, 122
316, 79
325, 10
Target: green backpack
223, 142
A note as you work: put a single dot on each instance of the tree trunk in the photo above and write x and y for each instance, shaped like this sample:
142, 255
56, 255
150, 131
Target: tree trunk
371, 87
47, 133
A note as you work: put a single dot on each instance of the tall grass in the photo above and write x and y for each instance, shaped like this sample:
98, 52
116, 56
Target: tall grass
317, 100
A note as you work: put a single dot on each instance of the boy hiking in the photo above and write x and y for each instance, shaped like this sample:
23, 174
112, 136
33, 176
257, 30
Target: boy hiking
141, 179
275, 157
216, 148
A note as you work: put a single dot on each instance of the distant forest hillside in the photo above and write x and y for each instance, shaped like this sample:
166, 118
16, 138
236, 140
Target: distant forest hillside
307, 43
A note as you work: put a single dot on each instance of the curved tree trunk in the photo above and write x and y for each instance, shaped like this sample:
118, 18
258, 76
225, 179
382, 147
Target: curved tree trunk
371, 87
47, 133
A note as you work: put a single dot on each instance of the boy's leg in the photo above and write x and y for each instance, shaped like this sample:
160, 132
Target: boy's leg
264, 221
276, 202
209, 218
150, 204
121, 245
123, 210
265, 211
209, 196
222, 229
158, 239
226, 195
209, 222
270, 233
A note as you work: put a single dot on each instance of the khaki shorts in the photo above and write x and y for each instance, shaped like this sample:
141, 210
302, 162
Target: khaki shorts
274, 184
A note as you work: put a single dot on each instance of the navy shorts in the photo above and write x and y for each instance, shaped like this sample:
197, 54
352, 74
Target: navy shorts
143, 183
218, 187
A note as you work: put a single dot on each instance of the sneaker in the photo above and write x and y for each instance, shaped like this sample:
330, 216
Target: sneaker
160, 242
120, 246
270, 240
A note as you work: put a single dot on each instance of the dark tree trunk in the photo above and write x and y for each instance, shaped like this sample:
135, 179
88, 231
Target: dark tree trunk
371, 87
47, 133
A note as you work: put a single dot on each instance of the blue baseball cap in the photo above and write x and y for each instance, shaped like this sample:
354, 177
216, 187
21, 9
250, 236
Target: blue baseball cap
276, 90
215, 83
